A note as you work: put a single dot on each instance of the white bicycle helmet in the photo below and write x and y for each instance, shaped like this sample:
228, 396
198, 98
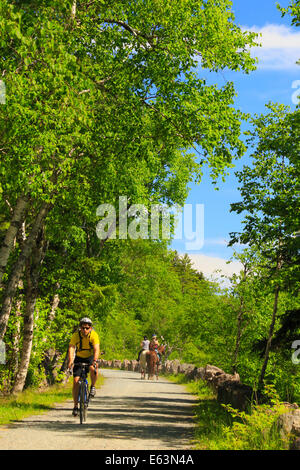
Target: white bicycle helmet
86, 320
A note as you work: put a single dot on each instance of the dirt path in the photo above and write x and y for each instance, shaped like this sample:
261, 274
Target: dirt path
127, 414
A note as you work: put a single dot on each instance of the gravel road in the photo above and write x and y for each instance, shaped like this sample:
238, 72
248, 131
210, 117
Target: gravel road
127, 414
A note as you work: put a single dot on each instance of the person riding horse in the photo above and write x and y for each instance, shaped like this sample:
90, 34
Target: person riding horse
153, 357
144, 345
153, 346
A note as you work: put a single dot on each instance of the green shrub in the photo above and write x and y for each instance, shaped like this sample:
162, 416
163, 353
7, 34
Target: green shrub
256, 430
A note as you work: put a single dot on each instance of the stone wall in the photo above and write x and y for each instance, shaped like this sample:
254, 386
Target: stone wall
227, 387
288, 424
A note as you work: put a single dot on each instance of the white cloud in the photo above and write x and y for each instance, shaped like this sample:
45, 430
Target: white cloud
209, 266
280, 47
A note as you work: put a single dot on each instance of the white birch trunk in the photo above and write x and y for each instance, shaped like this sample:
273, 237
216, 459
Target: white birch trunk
73, 11
32, 280
16, 334
54, 306
18, 269
15, 224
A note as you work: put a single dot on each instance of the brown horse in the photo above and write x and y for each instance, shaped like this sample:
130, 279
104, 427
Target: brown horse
153, 361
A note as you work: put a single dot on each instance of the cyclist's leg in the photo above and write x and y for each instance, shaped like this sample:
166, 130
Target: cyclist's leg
93, 371
75, 390
94, 376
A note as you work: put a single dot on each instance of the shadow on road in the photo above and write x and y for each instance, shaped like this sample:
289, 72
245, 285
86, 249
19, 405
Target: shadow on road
110, 417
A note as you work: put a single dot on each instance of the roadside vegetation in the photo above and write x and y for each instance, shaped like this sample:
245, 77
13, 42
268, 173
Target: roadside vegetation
220, 427
34, 401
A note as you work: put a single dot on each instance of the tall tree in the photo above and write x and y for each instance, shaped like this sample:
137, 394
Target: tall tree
270, 199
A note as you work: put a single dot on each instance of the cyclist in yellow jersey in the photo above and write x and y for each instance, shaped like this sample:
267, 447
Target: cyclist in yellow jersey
85, 346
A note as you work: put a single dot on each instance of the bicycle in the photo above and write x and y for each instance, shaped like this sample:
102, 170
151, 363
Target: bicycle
83, 394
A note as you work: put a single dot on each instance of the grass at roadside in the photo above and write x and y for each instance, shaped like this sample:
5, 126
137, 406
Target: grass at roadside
223, 428
33, 402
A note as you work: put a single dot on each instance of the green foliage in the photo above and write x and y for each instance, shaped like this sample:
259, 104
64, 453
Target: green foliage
256, 430
221, 427
294, 10
270, 195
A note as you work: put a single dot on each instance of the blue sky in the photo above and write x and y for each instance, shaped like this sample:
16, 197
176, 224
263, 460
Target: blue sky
276, 79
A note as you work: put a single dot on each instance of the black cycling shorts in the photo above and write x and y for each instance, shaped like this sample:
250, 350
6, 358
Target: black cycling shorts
81, 360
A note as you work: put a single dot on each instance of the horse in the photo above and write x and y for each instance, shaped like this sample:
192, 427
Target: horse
153, 361
143, 363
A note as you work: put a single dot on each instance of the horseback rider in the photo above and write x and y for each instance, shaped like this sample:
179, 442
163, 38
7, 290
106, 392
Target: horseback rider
154, 344
144, 345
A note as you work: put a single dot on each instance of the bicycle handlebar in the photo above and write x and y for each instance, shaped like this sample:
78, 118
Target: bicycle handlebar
98, 363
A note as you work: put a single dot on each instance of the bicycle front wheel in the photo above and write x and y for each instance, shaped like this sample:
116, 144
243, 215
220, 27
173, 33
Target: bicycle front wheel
82, 408
86, 398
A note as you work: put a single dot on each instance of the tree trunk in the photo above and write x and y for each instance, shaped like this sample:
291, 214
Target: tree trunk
50, 355
54, 307
240, 318
18, 269
271, 331
15, 352
32, 278
73, 10
16, 222
14, 363
238, 336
